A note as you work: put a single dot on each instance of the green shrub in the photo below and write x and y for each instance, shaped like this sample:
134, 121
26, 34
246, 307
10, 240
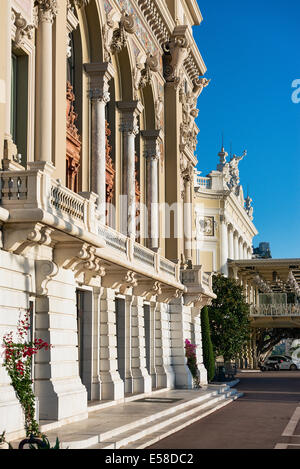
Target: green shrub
208, 353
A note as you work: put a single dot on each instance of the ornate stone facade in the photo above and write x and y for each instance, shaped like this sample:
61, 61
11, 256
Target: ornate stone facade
223, 218
84, 205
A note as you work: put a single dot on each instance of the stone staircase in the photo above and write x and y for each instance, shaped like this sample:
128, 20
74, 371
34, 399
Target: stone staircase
140, 423
145, 433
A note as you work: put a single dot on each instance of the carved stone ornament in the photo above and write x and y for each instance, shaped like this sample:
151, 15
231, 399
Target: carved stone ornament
234, 170
168, 293
206, 226
176, 51
44, 271
82, 3
72, 24
147, 289
28, 235
129, 123
188, 128
47, 10
199, 85
159, 105
107, 32
248, 207
120, 279
81, 259
127, 25
144, 70
23, 30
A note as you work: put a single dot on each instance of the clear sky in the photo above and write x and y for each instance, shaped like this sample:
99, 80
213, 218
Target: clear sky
252, 53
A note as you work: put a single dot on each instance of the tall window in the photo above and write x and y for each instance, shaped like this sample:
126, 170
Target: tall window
19, 104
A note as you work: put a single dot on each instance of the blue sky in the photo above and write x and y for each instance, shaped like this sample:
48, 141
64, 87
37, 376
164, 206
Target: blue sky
252, 53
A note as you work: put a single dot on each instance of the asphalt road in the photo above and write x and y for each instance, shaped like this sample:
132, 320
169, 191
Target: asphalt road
267, 416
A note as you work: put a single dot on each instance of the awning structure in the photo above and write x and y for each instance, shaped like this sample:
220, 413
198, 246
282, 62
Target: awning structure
271, 275
276, 302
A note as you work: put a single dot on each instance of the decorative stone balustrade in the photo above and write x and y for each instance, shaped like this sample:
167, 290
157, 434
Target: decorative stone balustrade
203, 182
133, 254
33, 198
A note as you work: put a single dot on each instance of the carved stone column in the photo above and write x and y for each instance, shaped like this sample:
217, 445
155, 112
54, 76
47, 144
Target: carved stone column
152, 153
100, 74
7, 130
129, 128
241, 253
224, 246
245, 256
47, 10
230, 242
236, 245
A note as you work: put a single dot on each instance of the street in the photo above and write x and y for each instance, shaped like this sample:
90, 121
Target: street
266, 417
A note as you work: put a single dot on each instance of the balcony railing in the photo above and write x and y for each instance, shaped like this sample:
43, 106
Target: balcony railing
204, 182
275, 310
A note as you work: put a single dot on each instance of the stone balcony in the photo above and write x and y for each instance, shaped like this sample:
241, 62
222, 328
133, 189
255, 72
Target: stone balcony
49, 214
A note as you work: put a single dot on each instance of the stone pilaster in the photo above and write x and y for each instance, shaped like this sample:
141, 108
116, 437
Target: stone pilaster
165, 377
94, 327
100, 74
58, 386
112, 385
198, 342
128, 344
180, 331
141, 381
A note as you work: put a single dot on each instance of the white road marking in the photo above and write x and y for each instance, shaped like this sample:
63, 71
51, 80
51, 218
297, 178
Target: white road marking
290, 428
285, 445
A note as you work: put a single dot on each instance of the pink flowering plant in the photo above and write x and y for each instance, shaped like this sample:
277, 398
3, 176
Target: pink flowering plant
190, 353
18, 364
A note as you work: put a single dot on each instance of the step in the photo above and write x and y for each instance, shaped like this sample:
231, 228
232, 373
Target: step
120, 425
139, 437
170, 429
155, 437
133, 425
151, 418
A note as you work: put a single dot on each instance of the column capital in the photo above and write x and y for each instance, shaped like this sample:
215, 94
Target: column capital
152, 140
47, 10
129, 114
100, 74
223, 219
